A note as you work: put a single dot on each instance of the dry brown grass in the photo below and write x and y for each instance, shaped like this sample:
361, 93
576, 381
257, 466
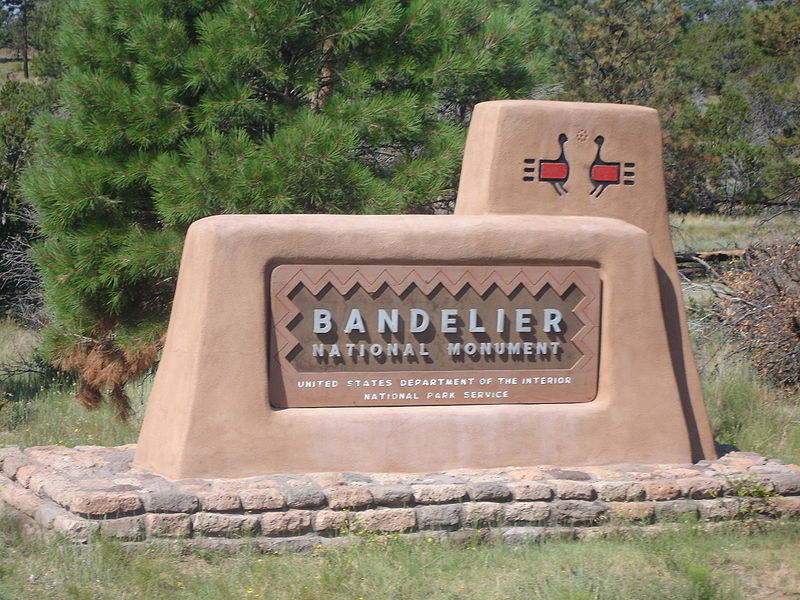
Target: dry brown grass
702, 233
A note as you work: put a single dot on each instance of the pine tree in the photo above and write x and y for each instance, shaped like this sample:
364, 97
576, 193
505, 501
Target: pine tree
176, 110
741, 65
616, 50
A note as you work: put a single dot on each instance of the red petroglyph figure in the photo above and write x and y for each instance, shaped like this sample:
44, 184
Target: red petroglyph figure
604, 174
556, 172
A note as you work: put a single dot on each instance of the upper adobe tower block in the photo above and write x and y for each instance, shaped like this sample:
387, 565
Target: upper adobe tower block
567, 158
592, 160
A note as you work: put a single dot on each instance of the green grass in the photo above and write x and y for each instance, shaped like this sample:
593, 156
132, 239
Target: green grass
52, 417
38, 409
9, 67
15, 341
744, 411
687, 564
12, 65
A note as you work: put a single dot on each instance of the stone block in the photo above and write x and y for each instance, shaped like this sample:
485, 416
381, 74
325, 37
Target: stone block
770, 467
676, 510
785, 484
787, 506
585, 534
333, 543
530, 474
574, 490
658, 489
25, 472
354, 478
219, 524
331, 520
619, 491
527, 512
676, 473
446, 516
439, 493
719, 509
392, 495
47, 512
175, 525
23, 500
220, 545
99, 504
124, 528
220, 501
56, 487
481, 514
530, 490
74, 528
261, 499
7, 453
698, 488
386, 520
291, 522
290, 545
742, 463
577, 512
14, 461
171, 502
638, 512
348, 496
488, 491
569, 475
756, 459
303, 495
522, 535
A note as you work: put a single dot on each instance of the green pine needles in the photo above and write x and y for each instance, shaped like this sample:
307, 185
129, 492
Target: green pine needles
176, 110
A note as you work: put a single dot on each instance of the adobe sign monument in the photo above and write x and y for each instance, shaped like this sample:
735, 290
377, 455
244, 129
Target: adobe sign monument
541, 324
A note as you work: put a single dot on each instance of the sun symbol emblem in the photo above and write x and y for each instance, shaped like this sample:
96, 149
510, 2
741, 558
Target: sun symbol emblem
582, 136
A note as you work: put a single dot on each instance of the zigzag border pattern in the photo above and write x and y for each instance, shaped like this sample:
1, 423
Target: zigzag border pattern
454, 278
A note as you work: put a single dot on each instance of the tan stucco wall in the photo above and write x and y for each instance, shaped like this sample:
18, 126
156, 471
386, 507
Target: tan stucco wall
503, 133
209, 415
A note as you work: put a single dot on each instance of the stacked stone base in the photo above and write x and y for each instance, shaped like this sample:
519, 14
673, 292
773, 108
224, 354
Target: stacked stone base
78, 492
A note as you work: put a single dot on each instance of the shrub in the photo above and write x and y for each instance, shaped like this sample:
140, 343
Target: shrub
761, 308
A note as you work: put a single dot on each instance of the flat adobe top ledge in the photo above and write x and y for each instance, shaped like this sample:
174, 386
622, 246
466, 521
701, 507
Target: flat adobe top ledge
569, 107
221, 225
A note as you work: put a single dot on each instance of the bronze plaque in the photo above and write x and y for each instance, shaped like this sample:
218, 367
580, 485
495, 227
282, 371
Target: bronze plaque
367, 335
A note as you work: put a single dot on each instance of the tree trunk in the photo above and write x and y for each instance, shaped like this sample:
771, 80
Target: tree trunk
325, 77
25, 41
